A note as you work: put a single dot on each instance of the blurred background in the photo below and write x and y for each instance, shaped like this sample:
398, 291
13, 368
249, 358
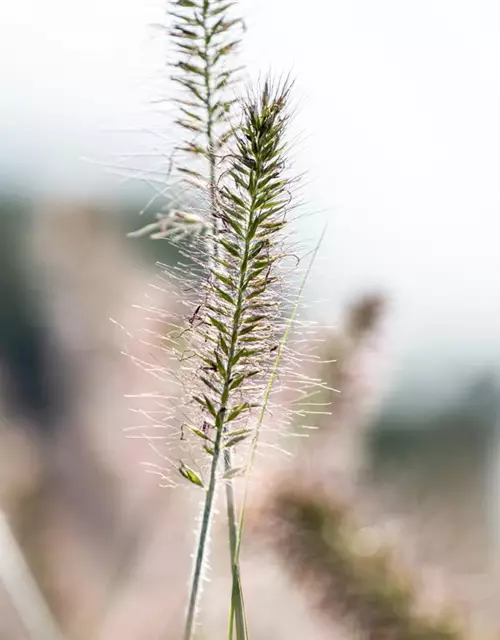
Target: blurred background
396, 128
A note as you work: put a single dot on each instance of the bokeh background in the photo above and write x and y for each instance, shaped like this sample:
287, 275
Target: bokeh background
396, 130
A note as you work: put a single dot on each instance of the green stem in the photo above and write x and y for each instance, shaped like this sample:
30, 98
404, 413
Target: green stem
237, 609
228, 464
203, 541
253, 448
211, 490
209, 131
220, 428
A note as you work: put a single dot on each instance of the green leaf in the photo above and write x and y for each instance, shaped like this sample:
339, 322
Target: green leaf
227, 265
190, 474
236, 382
258, 247
235, 198
208, 383
223, 346
217, 324
262, 263
230, 248
223, 81
252, 339
234, 413
258, 292
198, 432
241, 432
250, 323
190, 49
221, 9
223, 278
225, 296
217, 310
237, 228
181, 32
224, 138
190, 172
184, 19
253, 320
227, 24
222, 107
191, 147
225, 50
210, 363
190, 68
206, 403
275, 226
247, 329
255, 273
191, 87
191, 114
220, 366
190, 126
210, 406
243, 353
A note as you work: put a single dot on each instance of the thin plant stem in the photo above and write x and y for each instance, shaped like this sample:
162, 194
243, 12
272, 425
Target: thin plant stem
237, 607
202, 542
213, 254
220, 428
236, 322
253, 446
209, 130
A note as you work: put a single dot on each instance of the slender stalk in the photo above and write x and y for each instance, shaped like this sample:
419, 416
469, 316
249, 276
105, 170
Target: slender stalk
255, 440
202, 545
237, 606
220, 428
236, 318
237, 315
210, 153
212, 182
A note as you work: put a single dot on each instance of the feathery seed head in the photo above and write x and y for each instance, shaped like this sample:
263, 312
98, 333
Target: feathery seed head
237, 317
225, 340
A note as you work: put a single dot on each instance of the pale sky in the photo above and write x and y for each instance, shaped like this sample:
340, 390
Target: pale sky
398, 125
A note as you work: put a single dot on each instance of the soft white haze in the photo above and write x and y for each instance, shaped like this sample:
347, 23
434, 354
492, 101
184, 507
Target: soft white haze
398, 125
